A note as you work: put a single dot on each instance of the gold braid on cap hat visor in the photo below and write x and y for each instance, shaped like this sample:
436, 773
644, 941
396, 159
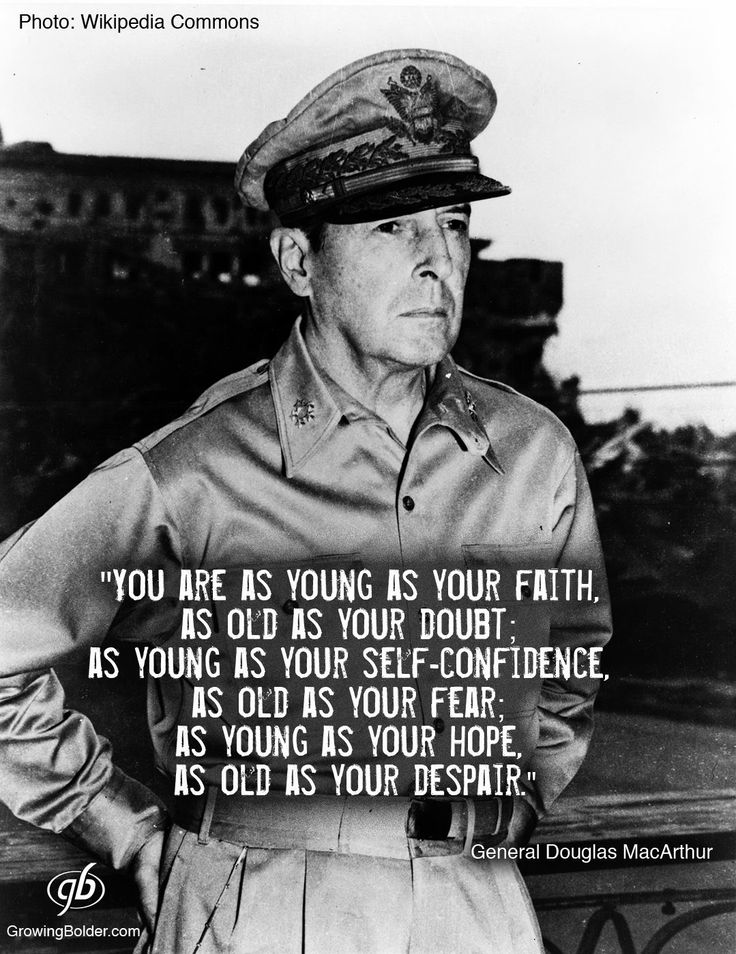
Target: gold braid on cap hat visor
366, 182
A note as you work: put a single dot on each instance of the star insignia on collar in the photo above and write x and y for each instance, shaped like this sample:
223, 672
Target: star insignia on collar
471, 406
302, 412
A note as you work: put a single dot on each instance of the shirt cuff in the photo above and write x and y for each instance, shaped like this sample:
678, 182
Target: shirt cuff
118, 821
524, 820
504, 820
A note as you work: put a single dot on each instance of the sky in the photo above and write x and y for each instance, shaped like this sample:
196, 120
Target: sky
614, 129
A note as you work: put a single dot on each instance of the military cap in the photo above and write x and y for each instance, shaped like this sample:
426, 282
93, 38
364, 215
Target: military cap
386, 135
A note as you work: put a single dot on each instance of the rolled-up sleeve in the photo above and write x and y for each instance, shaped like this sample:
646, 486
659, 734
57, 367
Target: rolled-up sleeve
56, 771
565, 709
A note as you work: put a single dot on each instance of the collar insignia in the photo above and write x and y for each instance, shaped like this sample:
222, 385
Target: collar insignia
302, 412
471, 406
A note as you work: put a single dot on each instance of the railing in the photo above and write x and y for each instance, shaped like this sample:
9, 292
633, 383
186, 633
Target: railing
683, 874
612, 903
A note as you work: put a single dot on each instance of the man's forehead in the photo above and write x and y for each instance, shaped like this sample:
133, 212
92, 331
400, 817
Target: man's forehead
462, 208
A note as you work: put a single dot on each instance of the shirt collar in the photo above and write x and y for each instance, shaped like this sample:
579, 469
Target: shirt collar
306, 413
307, 408
450, 404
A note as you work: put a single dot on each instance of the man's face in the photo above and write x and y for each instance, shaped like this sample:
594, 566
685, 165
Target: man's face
393, 289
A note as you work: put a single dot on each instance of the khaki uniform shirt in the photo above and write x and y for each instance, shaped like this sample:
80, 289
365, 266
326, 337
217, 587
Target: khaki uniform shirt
273, 466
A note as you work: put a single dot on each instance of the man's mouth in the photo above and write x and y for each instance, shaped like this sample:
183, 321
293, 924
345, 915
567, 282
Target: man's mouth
428, 312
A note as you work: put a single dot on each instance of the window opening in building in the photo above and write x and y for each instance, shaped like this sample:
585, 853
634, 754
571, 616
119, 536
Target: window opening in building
74, 204
44, 207
134, 206
163, 211
193, 214
221, 209
102, 204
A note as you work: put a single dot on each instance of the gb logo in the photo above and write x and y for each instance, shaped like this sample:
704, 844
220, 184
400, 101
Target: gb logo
75, 889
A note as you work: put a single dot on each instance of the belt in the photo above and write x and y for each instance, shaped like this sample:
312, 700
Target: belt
383, 827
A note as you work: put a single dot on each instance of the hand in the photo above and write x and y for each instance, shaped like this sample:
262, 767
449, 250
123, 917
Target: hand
145, 871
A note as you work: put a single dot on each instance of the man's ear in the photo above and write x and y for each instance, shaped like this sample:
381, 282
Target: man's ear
290, 248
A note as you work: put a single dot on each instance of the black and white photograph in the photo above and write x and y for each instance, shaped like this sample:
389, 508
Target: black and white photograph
367, 479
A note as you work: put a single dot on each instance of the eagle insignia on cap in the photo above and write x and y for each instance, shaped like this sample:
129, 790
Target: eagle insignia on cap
418, 105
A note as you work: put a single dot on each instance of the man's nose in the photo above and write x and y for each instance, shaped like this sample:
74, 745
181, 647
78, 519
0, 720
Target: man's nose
434, 259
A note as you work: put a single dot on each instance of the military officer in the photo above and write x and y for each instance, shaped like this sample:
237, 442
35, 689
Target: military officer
360, 443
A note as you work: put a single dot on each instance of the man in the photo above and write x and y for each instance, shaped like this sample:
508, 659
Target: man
359, 444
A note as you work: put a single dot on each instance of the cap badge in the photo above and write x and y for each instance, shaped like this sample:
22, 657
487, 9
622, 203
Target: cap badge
424, 118
302, 412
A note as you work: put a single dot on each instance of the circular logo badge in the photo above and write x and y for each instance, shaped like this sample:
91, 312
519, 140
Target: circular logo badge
75, 889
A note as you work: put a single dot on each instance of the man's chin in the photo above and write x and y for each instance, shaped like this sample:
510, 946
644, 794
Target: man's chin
425, 343
420, 357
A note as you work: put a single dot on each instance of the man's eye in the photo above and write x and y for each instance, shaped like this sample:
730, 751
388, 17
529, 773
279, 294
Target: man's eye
388, 228
457, 225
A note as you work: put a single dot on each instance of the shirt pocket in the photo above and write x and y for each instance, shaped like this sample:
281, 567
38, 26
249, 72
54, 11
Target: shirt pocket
513, 569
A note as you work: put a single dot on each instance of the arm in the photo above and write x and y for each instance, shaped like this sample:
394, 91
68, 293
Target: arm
57, 772
566, 706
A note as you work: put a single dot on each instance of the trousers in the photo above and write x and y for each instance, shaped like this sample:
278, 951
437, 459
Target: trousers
225, 898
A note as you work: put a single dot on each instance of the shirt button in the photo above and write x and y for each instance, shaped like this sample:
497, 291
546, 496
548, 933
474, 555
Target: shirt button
408, 503
289, 607
438, 724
